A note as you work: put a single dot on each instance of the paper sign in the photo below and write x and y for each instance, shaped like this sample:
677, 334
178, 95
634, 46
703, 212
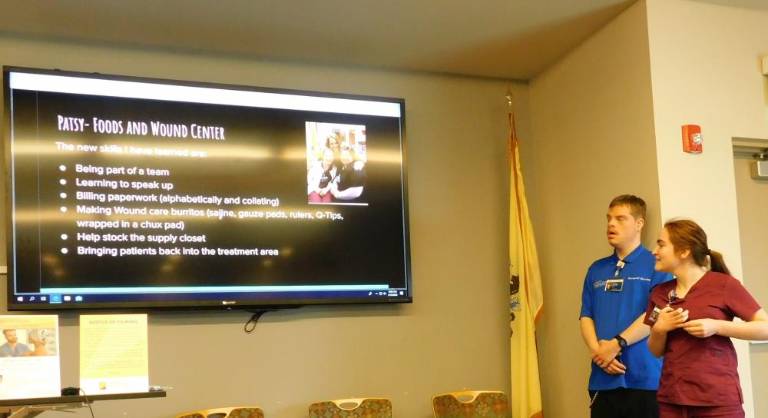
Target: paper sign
29, 356
113, 354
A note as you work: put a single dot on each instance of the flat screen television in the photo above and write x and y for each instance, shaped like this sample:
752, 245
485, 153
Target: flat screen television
127, 192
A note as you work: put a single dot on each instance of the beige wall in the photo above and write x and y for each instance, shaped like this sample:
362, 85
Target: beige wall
454, 336
705, 66
591, 116
752, 199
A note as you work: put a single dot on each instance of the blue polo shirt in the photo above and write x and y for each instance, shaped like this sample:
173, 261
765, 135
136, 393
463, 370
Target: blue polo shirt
613, 311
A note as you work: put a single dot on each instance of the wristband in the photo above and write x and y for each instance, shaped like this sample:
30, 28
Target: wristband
622, 342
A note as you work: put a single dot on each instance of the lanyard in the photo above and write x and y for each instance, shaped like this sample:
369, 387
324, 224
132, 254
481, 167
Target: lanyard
619, 266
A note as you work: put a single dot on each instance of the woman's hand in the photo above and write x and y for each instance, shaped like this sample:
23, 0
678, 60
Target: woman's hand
670, 319
702, 328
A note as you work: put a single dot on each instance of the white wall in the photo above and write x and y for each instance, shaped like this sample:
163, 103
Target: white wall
591, 116
455, 334
705, 69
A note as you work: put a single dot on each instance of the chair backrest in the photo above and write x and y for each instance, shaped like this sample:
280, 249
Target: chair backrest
227, 412
471, 404
357, 408
245, 412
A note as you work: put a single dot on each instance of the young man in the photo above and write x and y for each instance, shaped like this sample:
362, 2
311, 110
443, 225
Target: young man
12, 347
625, 375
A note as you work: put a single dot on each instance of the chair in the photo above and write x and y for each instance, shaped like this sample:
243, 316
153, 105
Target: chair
352, 408
228, 412
471, 404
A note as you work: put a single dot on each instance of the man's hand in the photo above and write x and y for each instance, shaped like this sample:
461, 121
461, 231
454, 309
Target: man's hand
615, 367
702, 328
606, 352
670, 319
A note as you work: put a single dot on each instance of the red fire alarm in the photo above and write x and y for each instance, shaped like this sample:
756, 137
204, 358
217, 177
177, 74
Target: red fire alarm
692, 140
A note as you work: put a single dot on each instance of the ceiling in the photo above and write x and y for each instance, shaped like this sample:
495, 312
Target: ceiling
510, 39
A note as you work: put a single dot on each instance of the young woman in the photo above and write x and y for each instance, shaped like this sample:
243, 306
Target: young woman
691, 320
319, 178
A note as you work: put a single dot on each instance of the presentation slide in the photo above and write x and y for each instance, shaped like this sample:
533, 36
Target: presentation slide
140, 191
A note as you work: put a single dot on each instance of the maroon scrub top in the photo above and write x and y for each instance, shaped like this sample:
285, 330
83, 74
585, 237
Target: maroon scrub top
702, 371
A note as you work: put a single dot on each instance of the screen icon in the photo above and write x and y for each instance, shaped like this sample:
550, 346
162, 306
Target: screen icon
67, 298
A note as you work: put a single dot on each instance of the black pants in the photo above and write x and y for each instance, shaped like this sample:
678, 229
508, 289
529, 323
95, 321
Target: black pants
624, 403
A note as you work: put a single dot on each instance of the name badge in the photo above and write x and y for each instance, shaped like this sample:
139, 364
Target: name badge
614, 285
654, 314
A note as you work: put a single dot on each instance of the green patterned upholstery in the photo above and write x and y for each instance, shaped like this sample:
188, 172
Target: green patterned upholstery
471, 404
229, 412
246, 413
361, 408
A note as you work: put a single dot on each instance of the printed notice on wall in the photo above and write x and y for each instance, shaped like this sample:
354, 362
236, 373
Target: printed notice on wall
113, 354
29, 356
